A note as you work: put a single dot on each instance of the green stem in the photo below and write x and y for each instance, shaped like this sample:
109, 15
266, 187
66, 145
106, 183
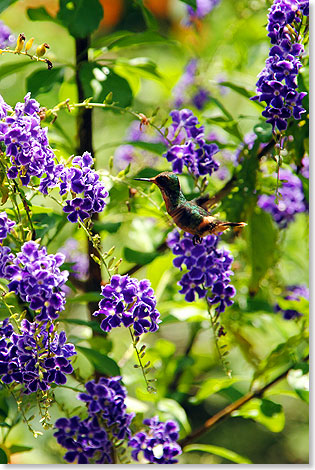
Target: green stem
90, 237
213, 322
150, 389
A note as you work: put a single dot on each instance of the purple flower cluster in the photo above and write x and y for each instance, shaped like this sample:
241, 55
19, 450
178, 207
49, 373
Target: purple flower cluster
293, 293
6, 226
291, 199
129, 302
204, 7
31, 156
26, 142
127, 153
305, 170
85, 440
208, 269
35, 276
277, 84
84, 183
189, 145
158, 444
6, 257
90, 440
7, 39
187, 86
74, 255
35, 357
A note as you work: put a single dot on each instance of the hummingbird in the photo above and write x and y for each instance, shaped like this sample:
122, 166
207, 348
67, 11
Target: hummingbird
188, 215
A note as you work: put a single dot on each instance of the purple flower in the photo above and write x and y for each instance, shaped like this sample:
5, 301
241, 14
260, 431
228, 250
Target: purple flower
7, 39
79, 260
129, 302
4, 108
35, 357
106, 398
305, 167
158, 444
204, 7
82, 180
35, 276
85, 440
208, 269
26, 142
292, 293
124, 154
6, 225
190, 148
6, 257
277, 82
200, 98
291, 199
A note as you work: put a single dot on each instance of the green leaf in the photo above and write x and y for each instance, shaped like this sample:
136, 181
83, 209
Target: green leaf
110, 227
15, 449
154, 147
14, 67
98, 81
211, 386
139, 257
263, 237
85, 298
108, 39
298, 379
174, 411
4, 407
135, 39
42, 81
3, 456
141, 65
289, 352
191, 3
4, 4
102, 363
220, 451
241, 91
149, 18
263, 130
91, 324
263, 411
40, 14
81, 17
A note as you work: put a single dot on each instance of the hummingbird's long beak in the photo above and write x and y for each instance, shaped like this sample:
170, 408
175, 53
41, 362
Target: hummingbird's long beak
150, 180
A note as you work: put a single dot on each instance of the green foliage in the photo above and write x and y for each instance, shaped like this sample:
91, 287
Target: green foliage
263, 411
42, 81
219, 451
107, 81
103, 364
81, 17
263, 236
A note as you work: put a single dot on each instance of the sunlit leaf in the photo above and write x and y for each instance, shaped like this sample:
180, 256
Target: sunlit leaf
263, 411
219, 451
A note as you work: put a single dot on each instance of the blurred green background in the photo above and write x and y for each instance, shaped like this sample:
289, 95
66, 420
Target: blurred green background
232, 45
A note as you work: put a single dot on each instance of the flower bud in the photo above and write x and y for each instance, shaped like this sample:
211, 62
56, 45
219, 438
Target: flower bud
29, 44
20, 43
41, 50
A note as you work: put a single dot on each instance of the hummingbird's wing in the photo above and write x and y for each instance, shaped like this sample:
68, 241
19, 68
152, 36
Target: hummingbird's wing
204, 202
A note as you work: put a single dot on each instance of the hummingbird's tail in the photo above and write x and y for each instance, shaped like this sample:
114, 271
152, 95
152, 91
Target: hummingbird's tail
221, 226
234, 224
